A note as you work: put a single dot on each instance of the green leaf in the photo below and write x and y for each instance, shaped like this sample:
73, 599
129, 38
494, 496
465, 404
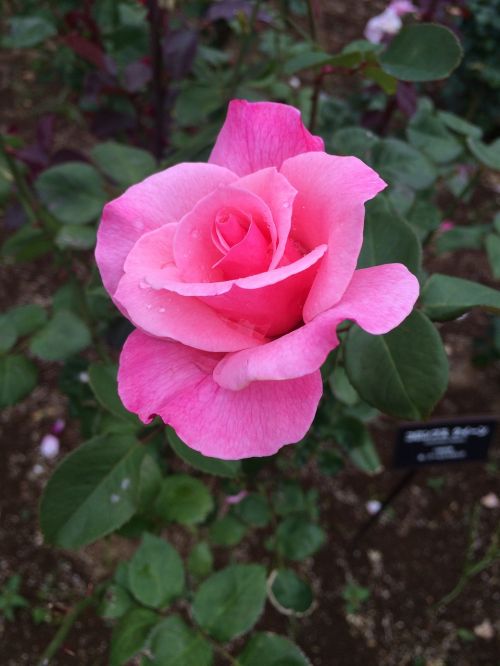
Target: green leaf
399, 162
354, 438
227, 531
150, 478
388, 238
227, 468
184, 499
130, 635
64, 335
427, 132
8, 333
341, 387
116, 602
445, 297
231, 601
496, 222
288, 499
200, 561
461, 237
18, 377
266, 649
173, 643
92, 492
76, 237
424, 218
459, 125
27, 31
254, 510
155, 573
305, 60
387, 82
28, 318
403, 373
298, 538
72, 191
355, 141
126, 165
493, 250
102, 379
289, 593
26, 244
489, 155
422, 52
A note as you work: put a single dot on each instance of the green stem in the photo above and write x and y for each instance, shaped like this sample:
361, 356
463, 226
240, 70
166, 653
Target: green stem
220, 649
87, 316
467, 576
311, 21
66, 625
28, 201
23, 193
245, 47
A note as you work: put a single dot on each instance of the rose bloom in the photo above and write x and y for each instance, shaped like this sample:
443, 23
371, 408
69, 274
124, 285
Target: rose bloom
236, 274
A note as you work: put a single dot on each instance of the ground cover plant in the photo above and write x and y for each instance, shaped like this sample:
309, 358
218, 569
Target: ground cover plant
282, 221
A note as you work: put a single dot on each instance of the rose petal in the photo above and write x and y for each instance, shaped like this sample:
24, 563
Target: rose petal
265, 304
161, 198
259, 135
279, 195
175, 382
329, 208
248, 257
196, 255
378, 299
188, 320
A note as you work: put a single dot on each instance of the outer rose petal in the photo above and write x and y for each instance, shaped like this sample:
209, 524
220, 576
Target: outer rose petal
329, 208
165, 314
161, 198
259, 135
377, 298
174, 381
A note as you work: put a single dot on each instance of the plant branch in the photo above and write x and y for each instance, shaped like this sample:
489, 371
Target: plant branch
66, 625
244, 48
155, 19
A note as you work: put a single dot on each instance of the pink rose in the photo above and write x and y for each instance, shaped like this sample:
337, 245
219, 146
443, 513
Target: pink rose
236, 274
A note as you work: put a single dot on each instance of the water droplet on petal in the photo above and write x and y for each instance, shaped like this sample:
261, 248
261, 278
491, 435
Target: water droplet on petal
148, 306
286, 204
161, 310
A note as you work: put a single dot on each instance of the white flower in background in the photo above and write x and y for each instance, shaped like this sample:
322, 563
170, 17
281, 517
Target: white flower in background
490, 501
388, 23
49, 446
373, 506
